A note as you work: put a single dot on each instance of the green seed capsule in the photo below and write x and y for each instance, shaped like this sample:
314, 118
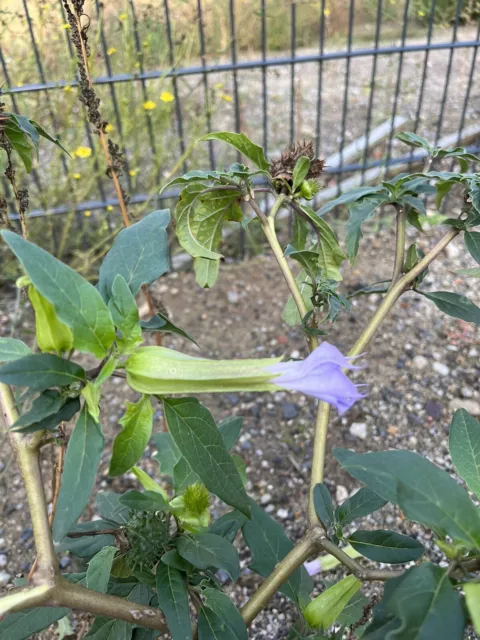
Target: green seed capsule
325, 609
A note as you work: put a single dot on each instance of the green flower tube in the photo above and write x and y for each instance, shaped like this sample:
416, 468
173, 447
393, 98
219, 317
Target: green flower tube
158, 370
322, 612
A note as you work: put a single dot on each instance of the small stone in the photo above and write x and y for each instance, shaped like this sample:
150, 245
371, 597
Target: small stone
64, 562
441, 368
233, 297
3, 561
266, 498
472, 406
420, 362
4, 578
341, 493
393, 430
434, 409
452, 251
473, 353
295, 354
290, 410
270, 508
282, 514
467, 392
2, 543
413, 441
359, 430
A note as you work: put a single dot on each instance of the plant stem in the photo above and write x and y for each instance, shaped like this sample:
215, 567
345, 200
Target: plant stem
354, 566
400, 244
24, 598
318, 456
277, 205
279, 576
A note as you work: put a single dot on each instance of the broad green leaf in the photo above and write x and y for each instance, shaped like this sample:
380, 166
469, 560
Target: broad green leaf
353, 611
139, 254
322, 501
23, 624
160, 322
464, 446
66, 412
300, 172
147, 501
322, 612
12, 349
206, 272
173, 559
415, 203
183, 475
360, 504
228, 525
92, 393
40, 371
414, 140
21, 143
300, 232
330, 254
350, 196
41, 131
455, 305
80, 470
77, 303
46, 404
307, 258
87, 546
107, 629
130, 443
230, 429
269, 544
52, 334
472, 599
290, 313
472, 242
173, 601
386, 546
110, 507
124, 312
199, 441
219, 618
99, 567
360, 213
419, 605
473, 273
205, 550
424, 492
194, 176
168, 453
147, 482
107, 370
240, 141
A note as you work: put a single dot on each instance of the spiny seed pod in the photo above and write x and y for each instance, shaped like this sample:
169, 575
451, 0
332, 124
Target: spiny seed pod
148, 537
282, 168
196, 498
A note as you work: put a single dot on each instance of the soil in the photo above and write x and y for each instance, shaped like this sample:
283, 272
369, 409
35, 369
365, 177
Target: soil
420, 365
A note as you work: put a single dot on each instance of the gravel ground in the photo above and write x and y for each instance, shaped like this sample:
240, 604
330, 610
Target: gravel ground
421, 366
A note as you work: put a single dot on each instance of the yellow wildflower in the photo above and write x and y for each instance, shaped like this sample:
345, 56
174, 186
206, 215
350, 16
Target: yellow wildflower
123, 16
109, 128
82, 152
219, 85
421, 14
149, 105
87, 214
226, 97
109, 207
133, 172
166, 96
76, 176
137, 65
68, 89
66, 26
326, 12
111, 51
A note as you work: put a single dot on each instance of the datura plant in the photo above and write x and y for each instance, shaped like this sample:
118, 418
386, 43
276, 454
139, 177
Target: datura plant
150, 565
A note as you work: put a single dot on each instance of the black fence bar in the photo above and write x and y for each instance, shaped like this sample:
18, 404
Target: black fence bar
206, 95
321, 47
293, 46
351, 16
252, 64
264, 75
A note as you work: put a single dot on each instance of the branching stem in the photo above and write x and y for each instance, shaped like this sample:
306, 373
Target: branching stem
400, 244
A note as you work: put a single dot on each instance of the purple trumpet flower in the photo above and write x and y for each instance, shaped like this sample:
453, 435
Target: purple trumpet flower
321, 376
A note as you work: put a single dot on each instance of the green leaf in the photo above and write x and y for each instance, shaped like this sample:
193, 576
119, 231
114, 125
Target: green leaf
124, 312
206, 272
230, 429
322, 501
300, 232
49, 422
22, 625
240, 141
414, 140
424, 492
353, 611
464, 445
455, 305
360, 504
386, 546
350, 196
107, 370
322, 612
308, 259
21, 142
139, 254
183, 475
300, 172
51, 333
219, 618
473, 273
87, 546
41, 131
107, 629
173, 601
205, 550
173, 559
130, 443
330, 254
269, 544
110, 507
161, 323
99, 567
78, 478
419, 605
12, 349
360, 213
44, 405
197, 437
40, 371
168, 453
77, 303
472, 242
415, 203
228, 525
290, 313
147, 501
148, 483
472, 599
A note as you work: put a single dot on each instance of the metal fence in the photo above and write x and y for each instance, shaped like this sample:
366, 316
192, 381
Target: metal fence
425, 81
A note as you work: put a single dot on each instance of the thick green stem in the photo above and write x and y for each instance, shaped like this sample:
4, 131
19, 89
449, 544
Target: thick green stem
400, 244
354, 567
24, 599
277, 205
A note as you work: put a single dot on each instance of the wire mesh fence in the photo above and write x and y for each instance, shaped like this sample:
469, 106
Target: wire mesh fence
345, 74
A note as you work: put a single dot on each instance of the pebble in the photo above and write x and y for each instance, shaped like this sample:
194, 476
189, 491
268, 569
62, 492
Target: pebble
467, 392
282, 514
3, 561
270, 508
472, 406
341, 493
420, 362
359, 430
4, 578
473, 353
290, 410
233, 297
452, 251
441, 368
266, 498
